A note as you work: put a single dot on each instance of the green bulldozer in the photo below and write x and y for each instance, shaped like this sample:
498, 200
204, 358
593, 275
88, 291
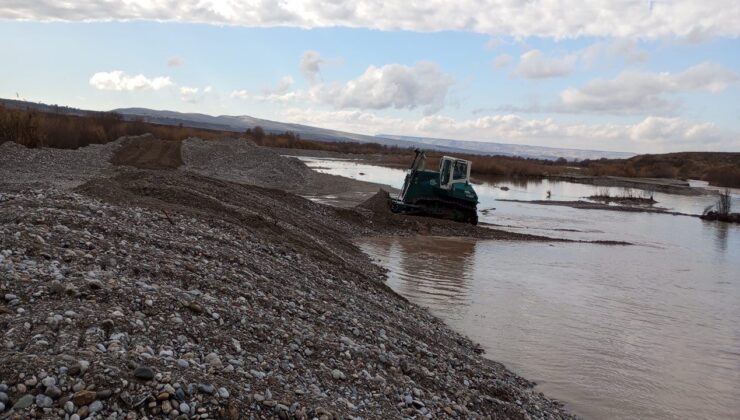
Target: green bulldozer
445, 194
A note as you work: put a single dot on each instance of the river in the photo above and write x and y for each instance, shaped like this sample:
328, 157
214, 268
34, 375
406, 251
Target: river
650, 330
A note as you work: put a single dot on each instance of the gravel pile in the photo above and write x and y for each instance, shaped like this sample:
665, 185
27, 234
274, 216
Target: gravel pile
242, 161
168, 294
66, 169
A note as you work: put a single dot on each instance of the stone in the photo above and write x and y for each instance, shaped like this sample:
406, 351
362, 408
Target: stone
69, 407
3, 397
337, 374
23, 402
182, 363
53, 391
223, 392
96, 406
49, 381
206, 388
103, 394
213, 360
2, 407
84, 397
144, 373
44, 401
184, 408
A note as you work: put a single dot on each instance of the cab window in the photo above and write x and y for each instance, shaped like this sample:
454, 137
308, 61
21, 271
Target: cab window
445, 172
460, 170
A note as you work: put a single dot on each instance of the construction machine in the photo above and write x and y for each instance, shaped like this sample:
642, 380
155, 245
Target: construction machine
445, 194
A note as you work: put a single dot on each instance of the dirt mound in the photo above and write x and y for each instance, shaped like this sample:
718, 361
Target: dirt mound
379, 204
148, 152
244, 162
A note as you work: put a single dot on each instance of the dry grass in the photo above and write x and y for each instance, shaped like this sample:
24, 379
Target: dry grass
37, 129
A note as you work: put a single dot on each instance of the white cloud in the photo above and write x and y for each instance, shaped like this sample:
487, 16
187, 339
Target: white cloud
390, 86
502, 61
625, 48
642, 92
652, 134
539, 18
535, 65
118, 80
239, 94
189, 94
282, 87
310, 66
208, 89
175, 61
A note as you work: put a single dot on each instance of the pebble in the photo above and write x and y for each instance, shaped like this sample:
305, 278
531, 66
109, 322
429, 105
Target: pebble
95, 406
337, 374
23, 402
144, 373
44, 401
206, 388
184, 408
223, 392
182, 363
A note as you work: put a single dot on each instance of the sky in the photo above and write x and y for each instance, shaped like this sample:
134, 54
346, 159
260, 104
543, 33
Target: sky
621, 75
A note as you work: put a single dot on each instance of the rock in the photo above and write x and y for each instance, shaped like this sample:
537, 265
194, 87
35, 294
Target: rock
84, 397
184, 408
182, 363
107, 325
103, 394
44, 401
144, 373
3, 397
2, 407
96, 406
213, 360
69, 407
49, 381
206, 388
23, 402
79, 368
337, 374
53, 391
223, 392
74, 417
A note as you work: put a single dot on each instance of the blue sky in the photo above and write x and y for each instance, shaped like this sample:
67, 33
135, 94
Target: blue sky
651, 77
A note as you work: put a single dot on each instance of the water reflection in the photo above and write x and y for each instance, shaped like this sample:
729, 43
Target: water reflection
617, 332
437, 272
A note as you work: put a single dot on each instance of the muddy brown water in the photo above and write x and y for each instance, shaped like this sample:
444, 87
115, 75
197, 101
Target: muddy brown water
630, 332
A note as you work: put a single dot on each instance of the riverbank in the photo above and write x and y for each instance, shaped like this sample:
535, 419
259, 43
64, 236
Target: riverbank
665, 185
197, 290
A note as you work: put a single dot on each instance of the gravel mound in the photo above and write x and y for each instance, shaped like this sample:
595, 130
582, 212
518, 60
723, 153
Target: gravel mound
21, 167
221, 307
242, 161
148, 152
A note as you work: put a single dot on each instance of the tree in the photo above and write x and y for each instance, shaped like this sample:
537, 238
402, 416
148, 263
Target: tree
258, 133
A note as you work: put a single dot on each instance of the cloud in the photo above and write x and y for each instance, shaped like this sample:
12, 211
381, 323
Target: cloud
652, 134
641, 92
535, 18
120, 81
599, 52
189, 94
175, 62
239, 94
282, 87
535, 65
310, 66
502, 61
390, 86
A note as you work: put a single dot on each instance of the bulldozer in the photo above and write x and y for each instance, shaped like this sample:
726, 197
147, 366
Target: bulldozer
445, 194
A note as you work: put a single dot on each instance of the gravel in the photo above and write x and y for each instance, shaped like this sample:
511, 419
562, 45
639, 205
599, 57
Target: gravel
280, 315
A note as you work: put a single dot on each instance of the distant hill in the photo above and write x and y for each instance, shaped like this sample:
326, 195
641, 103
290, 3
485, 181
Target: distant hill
243, 122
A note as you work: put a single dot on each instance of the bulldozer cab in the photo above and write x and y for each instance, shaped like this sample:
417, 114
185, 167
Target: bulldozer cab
453, 171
